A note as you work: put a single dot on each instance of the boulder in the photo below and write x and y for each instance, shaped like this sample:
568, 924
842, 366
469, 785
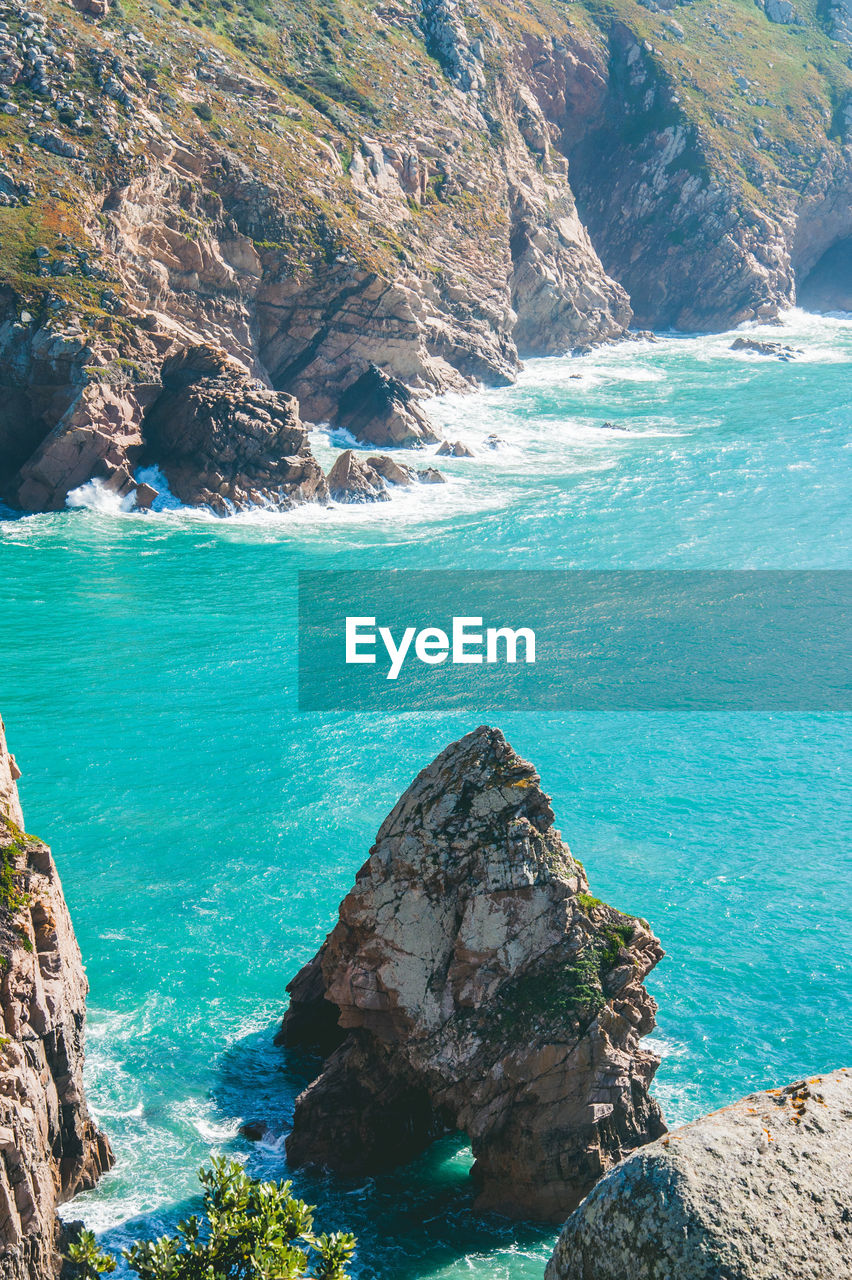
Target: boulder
380, 410
761, 1190
472, 983
777, 349
351, 480
225, 441
454, 449
392, 471
431, 475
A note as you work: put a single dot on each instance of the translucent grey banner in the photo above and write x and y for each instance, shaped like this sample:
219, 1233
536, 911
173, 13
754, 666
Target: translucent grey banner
409, 640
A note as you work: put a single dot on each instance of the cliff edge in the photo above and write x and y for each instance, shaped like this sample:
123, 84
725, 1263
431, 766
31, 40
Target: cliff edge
473, 983
50, 1148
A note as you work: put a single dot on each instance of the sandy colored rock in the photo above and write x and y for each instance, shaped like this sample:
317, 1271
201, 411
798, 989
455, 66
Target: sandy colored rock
353, 480
473, 984
761, 1190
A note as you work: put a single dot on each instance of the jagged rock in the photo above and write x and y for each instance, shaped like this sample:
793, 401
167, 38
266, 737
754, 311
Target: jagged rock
757, 1191
351, 480
777, 349
51, 1147
225, 441
454, 449
378, 409
473, 984
392, 471
494, 442
97, 436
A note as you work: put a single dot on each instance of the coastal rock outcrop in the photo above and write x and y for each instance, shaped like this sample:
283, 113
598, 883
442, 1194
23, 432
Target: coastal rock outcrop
225, 441
51, 1147
756, 1191
380, 410
473, 983
351, 480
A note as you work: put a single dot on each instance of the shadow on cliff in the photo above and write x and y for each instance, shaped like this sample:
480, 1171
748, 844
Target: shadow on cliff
413, 1221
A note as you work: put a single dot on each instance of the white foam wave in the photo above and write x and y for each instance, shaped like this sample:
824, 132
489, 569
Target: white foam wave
95, 496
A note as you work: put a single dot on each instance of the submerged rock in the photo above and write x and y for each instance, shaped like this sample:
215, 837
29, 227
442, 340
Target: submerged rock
757, 1191
472, 983
224, 441
380, 410
51, 1147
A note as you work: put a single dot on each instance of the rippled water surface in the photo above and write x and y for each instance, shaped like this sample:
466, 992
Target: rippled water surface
205, 831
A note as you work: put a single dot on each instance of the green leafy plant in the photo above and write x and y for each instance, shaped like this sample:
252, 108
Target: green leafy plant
249, 1230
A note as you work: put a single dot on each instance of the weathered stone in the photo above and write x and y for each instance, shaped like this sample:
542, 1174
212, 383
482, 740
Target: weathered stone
225, 441
391, 470
351, 480
380, 410
473, 984
454, 449
777, 349
51, 1147
757, 1191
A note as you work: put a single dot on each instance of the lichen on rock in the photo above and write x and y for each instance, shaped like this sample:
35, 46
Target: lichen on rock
756, 1191
472, 983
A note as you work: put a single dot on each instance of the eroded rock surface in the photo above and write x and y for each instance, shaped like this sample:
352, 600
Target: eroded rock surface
380, 410
51, 1147
758, 1191
473, 983
225, 441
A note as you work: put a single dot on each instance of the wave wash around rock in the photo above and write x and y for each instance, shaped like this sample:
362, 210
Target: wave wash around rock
473, 983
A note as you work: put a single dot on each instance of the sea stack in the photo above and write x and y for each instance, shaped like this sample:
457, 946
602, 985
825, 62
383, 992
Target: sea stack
51, 1146
473, 983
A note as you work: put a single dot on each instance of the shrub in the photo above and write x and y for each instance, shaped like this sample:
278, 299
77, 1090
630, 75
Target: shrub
249, 1231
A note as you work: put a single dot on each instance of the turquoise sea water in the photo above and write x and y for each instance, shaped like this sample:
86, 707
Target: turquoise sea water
205, 831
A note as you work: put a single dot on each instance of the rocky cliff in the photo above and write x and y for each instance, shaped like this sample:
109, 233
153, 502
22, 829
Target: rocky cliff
433, 187
51, 1147
473, 983
759, 1190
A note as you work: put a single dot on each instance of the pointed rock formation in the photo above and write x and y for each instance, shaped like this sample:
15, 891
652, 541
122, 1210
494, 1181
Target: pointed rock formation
472, 983
51, 1147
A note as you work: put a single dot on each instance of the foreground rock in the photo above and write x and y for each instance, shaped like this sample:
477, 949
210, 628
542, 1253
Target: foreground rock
472, 983
757, 1191
380, 410
225, 441
50, 1144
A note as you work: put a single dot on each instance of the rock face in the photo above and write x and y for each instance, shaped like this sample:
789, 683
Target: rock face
436, 189
380, 410
472, 983
224, 441
51, 1146
758, 1191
